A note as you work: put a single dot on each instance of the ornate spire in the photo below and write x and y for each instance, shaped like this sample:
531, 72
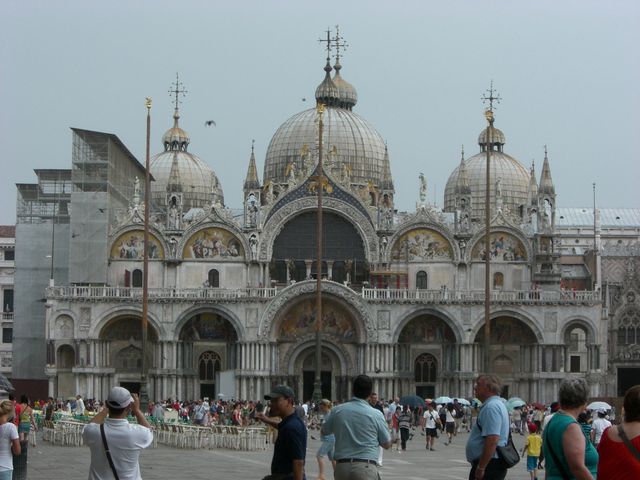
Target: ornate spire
174, 184
176, 138
546, 183
327, 92
532, 196
387, 181
462, 182
347, 94
251, 181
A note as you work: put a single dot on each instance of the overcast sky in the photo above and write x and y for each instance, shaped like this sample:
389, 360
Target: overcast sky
568, 73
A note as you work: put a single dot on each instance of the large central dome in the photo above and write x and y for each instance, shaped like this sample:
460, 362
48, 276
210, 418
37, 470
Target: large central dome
350, 142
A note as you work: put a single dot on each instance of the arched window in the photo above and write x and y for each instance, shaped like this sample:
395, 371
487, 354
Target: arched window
421, 280
136, 278
66, 357
426, 368
498, 280
629, 328
214, 278
208, 364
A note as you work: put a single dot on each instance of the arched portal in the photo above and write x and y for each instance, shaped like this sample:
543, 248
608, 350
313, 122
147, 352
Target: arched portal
340, 334
207, 353
426, 347
124, 335
513, 353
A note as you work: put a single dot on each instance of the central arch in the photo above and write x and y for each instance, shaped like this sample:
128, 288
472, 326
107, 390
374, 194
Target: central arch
124, 334
426, 346
207, 342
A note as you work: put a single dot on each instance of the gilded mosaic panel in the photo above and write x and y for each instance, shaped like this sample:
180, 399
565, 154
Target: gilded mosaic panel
421, 244
504, 248
213, 243
130, 246
300, 320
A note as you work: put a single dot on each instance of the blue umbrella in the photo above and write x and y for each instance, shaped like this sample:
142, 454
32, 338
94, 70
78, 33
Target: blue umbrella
412, 400
443, 399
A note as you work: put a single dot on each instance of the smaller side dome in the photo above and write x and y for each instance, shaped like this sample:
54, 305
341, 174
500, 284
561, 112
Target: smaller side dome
175, 139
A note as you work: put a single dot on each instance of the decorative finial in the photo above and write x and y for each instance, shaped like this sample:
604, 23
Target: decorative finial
339, 43
545, 151
328, 41
176, 90
491, 98
462, 153
147, 103
253, 142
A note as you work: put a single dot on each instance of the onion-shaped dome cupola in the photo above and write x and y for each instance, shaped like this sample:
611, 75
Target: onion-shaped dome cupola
177, 170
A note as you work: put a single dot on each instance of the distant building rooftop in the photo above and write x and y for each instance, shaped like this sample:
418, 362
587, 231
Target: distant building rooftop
609, 217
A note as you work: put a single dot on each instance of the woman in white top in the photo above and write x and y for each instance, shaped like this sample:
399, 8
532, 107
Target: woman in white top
9, 440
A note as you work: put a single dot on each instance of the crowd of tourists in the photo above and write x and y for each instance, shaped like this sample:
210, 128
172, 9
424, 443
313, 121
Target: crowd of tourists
564, 439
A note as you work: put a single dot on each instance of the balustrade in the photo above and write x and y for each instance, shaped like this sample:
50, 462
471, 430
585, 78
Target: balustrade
156, 294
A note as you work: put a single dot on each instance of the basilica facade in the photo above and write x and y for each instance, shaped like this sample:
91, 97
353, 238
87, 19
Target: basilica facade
232, 292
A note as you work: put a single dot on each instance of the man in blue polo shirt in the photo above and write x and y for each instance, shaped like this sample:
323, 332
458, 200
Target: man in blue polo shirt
290, 448
360, 430
491, 430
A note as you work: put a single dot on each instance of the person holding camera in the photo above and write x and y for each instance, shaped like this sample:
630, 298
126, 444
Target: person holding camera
115, 443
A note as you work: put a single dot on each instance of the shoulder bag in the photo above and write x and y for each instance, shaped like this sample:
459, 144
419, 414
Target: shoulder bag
627, 442
107, 452
508, 454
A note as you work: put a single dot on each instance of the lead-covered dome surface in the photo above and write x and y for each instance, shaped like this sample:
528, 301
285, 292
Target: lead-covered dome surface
357, 143
178, 171
514, 179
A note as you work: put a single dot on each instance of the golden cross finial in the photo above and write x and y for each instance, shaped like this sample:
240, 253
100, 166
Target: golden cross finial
491, 98
339, 43
177, 89
147, 103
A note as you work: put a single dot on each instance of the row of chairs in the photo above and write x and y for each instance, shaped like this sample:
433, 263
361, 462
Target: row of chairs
217, 436
62, 433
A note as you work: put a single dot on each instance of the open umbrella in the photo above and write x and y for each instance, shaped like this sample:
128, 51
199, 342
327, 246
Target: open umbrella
599, 406
464, 401
475, 402
412, 400
443, 399
515, 402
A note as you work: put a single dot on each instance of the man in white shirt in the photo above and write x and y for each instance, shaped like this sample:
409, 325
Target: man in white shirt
79, 405
599, 425
124, 440
430, 421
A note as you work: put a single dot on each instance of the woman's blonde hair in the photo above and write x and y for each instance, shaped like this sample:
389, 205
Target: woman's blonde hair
6, 406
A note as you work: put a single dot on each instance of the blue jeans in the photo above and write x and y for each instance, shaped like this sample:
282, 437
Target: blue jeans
6, 474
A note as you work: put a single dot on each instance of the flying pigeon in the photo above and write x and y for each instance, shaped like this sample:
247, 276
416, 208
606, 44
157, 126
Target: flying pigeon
208, 123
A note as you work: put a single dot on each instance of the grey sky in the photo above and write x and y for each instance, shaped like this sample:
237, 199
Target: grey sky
568, 73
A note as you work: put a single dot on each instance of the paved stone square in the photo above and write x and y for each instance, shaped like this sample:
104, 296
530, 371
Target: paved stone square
446, 463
